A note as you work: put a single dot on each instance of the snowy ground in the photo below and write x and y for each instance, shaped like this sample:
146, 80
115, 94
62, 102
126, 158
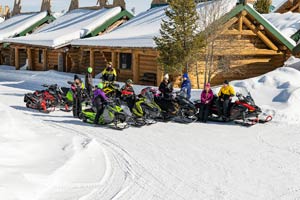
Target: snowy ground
56, 157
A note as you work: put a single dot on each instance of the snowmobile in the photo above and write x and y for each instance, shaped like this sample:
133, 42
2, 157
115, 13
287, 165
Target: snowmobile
46, 100
243, 111
145, 109
113, 116
111, 89
177, 108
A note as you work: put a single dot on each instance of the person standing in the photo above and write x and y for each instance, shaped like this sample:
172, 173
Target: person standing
225, 95
89, 81
77, 88
186, 85
206, 98
109, 74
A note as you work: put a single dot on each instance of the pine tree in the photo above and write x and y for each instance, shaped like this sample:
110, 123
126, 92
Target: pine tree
263, 6
178, 39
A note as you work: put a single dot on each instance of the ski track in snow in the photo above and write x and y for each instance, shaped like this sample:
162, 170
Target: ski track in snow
165, 161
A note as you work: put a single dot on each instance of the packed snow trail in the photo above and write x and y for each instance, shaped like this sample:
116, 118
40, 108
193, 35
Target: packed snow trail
56, 157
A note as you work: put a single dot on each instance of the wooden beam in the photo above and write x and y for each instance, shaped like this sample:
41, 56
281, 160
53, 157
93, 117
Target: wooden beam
29, 56
241, 23
262, 36
17, 59
45, 60
92, 61
135, 67
114, 59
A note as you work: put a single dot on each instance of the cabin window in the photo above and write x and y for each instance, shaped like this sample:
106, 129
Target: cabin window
125, 60
41, 56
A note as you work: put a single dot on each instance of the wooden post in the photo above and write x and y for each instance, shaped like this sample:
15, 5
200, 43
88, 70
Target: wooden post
114, 59
92, 61
241, 23
17, 59
29, 56
135, 67
45, 60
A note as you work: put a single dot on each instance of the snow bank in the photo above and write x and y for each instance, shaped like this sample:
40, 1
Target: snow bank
15, 25
1, 19
140, 31
277, 92
73, 25
37, 160
293, 63
288, 23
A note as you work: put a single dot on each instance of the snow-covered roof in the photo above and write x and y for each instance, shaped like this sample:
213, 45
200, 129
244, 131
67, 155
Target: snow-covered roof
288, 23
73, 25
140, 31
15, 25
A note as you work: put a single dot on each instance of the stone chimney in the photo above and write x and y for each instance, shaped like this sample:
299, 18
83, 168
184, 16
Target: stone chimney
17, 8
46, 6
74, 5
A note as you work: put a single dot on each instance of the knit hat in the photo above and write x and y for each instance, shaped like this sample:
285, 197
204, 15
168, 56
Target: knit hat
129, 81
76, 77
226, 82
166, 76
207, 85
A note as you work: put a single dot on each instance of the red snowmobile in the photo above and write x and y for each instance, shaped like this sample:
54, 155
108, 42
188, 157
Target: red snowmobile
243, 111
46, 100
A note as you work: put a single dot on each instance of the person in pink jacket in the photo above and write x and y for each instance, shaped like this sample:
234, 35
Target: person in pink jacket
206, 97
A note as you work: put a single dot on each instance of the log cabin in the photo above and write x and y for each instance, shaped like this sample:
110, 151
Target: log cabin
20, 24
246, 42
283, 6
49, 47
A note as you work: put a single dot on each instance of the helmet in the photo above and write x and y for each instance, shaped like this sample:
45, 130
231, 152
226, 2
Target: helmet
129, 81
100, 85
90, 70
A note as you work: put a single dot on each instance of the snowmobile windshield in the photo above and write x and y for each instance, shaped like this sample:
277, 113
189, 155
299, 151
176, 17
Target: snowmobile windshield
243, 94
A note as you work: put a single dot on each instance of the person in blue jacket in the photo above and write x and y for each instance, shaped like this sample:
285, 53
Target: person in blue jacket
186, 85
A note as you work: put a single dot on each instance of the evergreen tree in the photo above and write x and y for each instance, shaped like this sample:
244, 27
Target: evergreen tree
263, 6
179, 38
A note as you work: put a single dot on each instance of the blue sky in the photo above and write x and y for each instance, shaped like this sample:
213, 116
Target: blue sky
59, 5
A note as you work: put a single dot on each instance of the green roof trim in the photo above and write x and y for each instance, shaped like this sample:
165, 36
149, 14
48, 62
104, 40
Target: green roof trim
269, 27
296, 36
48, 18
158, 5
110, 22
296, 50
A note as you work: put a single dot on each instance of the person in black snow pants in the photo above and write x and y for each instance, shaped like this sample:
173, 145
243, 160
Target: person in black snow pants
89, 82
77, 88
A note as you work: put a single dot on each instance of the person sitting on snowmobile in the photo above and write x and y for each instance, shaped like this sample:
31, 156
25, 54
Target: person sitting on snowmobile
206, 98
77, 88
109, 74
89, 81
166, 88
186, 85
225, 95
99, 101
128, 94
